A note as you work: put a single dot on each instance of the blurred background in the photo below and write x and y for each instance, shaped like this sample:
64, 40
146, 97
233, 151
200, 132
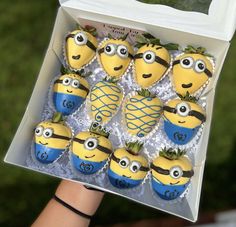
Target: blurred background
25, 28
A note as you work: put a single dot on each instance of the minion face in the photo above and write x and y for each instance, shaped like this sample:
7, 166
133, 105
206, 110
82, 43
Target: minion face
184, 114
90, 152
151, 63
69, 92
81, 48
182, 120
115, 56
191, 72
51, 139
170, 178
127, 170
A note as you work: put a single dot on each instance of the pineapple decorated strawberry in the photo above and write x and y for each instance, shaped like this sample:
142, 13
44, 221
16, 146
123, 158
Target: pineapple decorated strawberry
105, 98
142, 112
128, 168
171, 173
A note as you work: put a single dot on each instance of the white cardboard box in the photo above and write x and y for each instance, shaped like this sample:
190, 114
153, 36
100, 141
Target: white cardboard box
213, 31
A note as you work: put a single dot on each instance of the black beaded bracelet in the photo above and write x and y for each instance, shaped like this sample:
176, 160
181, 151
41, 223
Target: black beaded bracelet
63, 203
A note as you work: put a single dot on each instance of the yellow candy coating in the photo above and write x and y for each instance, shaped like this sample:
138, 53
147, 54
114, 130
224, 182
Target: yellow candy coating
189, 75
131, 161
142, 114
105, 100
115, 56
45, 131
167, 164
78, 52
148, 70
179, 117
89, 148
68, 85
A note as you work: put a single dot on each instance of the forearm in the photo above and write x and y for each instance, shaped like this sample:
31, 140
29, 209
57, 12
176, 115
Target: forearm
77, 196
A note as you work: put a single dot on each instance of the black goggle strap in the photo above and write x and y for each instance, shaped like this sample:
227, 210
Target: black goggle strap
206, 71
157, 59
55, 136
169, 109
176, 62
198, 115
89, 44
142, 168
100, 51
99, 147
162, 61
137, 56
81, 86
158, 169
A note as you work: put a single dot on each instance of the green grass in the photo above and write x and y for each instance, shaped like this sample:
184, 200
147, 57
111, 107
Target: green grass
25, 32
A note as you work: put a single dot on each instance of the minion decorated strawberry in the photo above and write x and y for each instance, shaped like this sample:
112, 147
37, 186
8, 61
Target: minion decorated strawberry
152, 60
182, 119
105, 98
51, 139
192, 70
115, 56
80, 47
142, 112
69, 92
171, 173
127, 167
91, 149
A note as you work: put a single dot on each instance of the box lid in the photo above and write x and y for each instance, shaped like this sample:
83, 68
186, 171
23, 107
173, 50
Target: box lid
216, 21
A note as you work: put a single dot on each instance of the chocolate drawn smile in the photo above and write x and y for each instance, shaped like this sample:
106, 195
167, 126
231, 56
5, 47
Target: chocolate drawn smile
89, 156
76, 57
174, 183
118, 68
181, 122
126, 176
43, 143
69, 91
187, 85
147, 75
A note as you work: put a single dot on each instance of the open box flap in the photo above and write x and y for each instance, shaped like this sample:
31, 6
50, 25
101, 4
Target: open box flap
219, 23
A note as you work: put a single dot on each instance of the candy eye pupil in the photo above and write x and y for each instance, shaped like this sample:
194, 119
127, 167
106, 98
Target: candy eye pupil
176, 173
135, 168
148, 56
90, 144
108, 48
80, 38
186, 62
123, 51
183, 109
201, 66
123, 163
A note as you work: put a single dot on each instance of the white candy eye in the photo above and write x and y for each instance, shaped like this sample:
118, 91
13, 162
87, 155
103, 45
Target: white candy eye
134, 167
124, 162
186, 62
39, 131
80, 38
66, 81
183, 109
149, 57
47, 133
200, 66
110, 49
122, 51
90, 143
75, 84
176, 172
